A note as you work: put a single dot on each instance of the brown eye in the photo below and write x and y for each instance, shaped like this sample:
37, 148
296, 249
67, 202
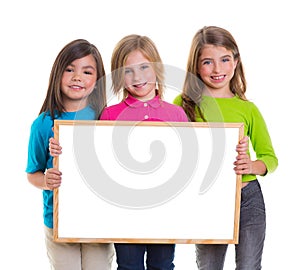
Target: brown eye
88, 73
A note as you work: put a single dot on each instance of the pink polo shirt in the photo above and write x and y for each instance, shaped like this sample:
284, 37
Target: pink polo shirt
132, 109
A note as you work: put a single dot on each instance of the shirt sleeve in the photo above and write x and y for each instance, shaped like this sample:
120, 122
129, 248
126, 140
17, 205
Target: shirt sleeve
39, 158
261, 140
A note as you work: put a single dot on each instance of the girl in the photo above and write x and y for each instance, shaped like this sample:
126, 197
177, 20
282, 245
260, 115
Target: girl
137, 70
76, 90
214, 91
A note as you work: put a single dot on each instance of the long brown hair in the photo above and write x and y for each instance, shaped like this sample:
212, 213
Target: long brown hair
193, 85
76, 49
121, 51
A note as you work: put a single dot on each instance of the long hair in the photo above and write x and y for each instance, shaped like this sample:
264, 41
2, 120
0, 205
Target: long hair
121, 51
76, 49
193, 85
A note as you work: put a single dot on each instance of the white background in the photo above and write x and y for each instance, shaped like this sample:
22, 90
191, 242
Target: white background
33, 32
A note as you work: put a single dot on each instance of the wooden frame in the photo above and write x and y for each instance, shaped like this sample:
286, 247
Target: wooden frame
147, 182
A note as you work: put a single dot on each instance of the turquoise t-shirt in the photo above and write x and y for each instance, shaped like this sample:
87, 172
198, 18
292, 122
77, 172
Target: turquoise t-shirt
39, 158
236, 110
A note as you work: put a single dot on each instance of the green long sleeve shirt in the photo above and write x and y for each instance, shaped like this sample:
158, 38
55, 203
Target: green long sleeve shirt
235, 110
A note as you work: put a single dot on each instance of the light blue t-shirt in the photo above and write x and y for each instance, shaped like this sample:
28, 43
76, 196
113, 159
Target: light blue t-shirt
39, 158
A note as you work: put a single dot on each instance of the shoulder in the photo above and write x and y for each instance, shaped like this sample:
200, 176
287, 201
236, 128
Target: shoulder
171, 106
249, 105
41, 128
176, 110
111, 112
43, 121
178, 100
235, 101
248, 109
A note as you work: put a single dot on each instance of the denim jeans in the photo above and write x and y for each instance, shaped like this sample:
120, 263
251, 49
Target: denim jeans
248, 252
158, 256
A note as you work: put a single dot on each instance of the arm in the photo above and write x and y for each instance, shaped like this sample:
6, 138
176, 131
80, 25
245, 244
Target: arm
47, 181
244, 165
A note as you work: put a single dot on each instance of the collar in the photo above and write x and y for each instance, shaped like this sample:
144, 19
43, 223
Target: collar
135, 103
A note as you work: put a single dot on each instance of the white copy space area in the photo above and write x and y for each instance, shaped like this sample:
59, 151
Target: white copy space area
147, 183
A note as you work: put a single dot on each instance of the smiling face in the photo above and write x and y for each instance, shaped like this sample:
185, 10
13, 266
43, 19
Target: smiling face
140, 77
78, 82
216, 67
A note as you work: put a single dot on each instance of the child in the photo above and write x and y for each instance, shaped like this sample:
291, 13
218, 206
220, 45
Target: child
214, 91
76, 90
137, 70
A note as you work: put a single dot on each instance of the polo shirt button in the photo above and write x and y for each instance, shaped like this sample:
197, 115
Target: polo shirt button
145, 104
146, 116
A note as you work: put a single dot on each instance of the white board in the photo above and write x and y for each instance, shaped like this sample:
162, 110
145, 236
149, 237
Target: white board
147, 182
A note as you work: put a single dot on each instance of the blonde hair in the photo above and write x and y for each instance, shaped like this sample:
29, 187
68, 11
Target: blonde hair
193, 85
121, 51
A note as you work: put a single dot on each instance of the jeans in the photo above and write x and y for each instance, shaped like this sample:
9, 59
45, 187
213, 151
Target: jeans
248, 252
158, 256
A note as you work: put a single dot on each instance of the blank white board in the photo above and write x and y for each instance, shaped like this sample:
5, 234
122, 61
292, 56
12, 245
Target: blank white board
147, 182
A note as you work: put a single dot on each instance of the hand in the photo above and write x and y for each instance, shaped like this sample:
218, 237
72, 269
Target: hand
243, 163
243, 146
52, 178
54, 147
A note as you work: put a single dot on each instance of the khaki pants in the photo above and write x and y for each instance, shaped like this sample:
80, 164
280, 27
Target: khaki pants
78, 256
